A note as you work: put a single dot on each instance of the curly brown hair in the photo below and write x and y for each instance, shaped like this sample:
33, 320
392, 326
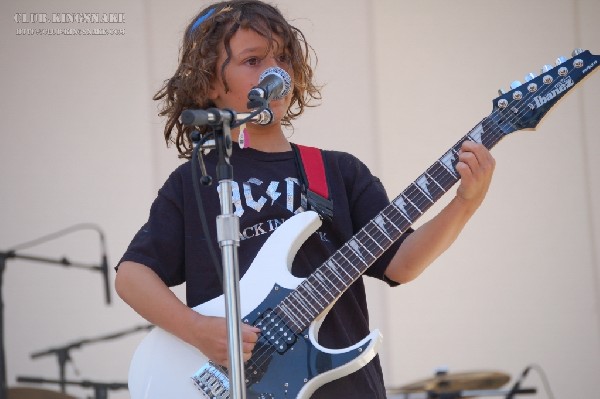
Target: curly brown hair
216, 24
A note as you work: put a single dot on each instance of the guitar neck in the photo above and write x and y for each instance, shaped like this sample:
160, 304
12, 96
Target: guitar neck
348, 263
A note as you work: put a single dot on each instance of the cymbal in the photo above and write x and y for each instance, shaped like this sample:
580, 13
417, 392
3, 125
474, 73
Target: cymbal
33, 393
449, 382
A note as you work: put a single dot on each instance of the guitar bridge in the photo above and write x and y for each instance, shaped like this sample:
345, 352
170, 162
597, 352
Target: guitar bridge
212, 381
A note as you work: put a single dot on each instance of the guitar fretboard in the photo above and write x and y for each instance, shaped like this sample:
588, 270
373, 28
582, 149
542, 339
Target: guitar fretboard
348, 263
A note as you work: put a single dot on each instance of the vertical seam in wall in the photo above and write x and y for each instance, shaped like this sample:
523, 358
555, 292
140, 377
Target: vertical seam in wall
150, 70
386, 365
587, 179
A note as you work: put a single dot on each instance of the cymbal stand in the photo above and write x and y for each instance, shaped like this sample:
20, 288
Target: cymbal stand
63, 355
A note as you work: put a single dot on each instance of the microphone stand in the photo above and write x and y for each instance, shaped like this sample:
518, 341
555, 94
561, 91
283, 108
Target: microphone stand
4, 256
3, 387
63, 355
11, 254
228, 239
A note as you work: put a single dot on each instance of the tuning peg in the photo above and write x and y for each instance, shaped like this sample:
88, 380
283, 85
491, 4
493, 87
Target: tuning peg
560, 60
529, 76
501, 92
515, 84
577, 51
546, 68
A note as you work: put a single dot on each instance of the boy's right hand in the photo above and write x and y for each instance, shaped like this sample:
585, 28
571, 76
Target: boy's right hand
211, 339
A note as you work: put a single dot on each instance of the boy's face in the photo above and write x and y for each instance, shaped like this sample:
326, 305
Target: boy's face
250, 56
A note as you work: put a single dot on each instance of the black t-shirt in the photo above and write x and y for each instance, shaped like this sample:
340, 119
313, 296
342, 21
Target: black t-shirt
266, 192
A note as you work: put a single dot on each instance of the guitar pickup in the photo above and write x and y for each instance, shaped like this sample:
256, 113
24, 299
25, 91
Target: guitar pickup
275, 331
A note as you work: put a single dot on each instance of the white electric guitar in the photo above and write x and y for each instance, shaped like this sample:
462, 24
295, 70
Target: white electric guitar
288, 362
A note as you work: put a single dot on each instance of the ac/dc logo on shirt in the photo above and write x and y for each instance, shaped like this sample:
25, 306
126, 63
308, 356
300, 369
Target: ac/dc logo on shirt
254, 195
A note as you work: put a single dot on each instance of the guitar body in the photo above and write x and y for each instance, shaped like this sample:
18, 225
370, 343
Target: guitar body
163, 365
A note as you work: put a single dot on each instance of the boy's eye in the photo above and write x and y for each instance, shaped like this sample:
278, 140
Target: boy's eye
283, 58
252, 61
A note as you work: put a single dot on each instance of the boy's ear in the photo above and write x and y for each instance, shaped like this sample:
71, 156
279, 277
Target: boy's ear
213, 94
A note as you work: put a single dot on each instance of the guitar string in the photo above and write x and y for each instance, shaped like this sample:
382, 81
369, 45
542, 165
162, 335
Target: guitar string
372, 230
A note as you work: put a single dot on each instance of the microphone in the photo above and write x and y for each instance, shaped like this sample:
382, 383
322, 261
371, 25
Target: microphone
274, 83
515, 388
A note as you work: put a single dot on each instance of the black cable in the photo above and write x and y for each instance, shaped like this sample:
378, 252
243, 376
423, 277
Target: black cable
200, 205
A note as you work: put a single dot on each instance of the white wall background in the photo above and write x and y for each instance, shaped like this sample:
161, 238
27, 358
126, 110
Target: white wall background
404, 81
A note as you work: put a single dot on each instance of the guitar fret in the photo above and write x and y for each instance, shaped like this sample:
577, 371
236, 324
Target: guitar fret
422, 187
447, 161
360, 249
391, 212
437, 194
322, 280
347, 258
336, 267
417, 198
476, 134
376, 242
348, 272
400, 205
310, 289
284, 312
309, 281
443, 177
379, 222
302, 300
414, 207
335, 273
297, 310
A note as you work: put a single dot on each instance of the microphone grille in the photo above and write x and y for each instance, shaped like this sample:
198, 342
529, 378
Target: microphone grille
287, 80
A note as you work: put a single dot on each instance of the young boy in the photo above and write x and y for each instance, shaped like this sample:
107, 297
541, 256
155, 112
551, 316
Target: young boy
225, 49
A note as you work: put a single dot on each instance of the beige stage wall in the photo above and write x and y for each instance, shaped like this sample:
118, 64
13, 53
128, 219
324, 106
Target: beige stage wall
403, 82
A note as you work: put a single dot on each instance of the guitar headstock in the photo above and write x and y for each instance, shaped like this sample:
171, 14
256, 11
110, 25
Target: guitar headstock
526, 104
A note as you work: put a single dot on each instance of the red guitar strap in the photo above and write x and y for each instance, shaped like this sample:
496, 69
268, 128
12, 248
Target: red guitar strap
314, 180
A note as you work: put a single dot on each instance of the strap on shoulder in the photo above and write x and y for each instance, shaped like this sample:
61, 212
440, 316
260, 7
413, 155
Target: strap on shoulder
314, 180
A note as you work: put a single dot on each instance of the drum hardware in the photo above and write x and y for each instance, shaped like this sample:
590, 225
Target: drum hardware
472, 393
446, 385
34, 393
100, 388
63, 356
